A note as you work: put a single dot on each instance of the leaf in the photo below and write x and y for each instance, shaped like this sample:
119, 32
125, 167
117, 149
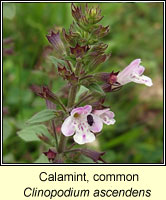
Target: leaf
42, 159
81, 90
55, 61
94, 87
30, 133
43, 116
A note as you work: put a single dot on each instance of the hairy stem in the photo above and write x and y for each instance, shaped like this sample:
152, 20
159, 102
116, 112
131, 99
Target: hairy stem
71, 101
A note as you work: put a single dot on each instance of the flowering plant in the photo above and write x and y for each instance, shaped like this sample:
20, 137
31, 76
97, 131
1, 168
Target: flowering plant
78, 53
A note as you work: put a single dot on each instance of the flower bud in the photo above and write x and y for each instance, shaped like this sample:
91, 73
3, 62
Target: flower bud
98, 105
110, 81
63, 71
70, 76
55, 40
94, 155
79, 51
101, 31
45, 92
72, 36
93, 14
51, 154
94, 61
76, 12
106, 77
86, 18
44, 138
98, 49
50, 105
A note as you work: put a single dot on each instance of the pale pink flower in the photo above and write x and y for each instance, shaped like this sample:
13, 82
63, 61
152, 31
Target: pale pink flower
133, 73
84, 123
106, 116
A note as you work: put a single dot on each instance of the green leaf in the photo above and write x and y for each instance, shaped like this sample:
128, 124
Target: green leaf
30, 133
42, 159
43, 116
94, 87
55, 61
81, 91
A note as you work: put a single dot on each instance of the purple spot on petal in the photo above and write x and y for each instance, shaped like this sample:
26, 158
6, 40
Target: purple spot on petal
84, 136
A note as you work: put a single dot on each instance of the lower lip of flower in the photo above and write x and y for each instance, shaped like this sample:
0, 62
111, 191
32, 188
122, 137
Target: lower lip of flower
84, 136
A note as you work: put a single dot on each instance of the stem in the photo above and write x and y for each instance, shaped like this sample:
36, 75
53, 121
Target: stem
72, 95
85, 77
55, 134
83, 99
69, 65
62, 143
71, 101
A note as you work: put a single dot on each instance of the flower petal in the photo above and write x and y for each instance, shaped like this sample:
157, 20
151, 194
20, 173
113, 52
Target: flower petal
87, 109
97, 124
108, 118
140, 70
76, 110
82, 110
100, 112
82, 138
105, 115
55, 40
123, 76
132, 73
68, 128
141, 79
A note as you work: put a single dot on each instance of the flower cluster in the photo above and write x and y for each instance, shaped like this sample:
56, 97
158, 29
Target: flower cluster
88, 18
84, 123
81, 105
